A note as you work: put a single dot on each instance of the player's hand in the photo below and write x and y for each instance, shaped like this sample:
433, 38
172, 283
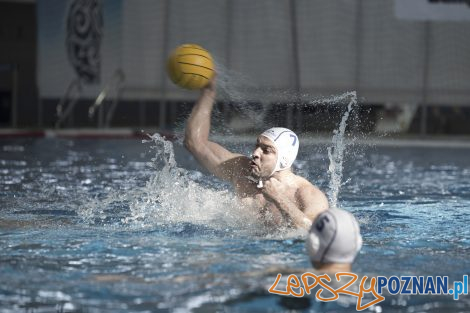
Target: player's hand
273, 189
211, 85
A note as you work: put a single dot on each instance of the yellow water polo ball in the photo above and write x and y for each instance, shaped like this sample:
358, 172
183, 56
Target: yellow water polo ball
190, 66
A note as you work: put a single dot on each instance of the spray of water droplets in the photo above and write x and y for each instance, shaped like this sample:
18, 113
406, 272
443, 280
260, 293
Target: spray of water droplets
171, 195
336, 151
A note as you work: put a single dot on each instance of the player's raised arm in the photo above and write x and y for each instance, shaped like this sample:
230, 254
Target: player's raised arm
215, 158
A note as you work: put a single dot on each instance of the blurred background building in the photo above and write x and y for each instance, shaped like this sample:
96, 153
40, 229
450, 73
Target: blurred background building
407, 60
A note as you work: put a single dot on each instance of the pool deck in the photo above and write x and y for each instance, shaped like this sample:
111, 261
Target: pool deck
441, 141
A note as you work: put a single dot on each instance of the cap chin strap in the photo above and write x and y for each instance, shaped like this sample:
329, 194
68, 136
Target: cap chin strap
259, 181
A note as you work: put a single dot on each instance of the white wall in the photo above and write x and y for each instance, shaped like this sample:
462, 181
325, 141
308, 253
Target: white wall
343, 45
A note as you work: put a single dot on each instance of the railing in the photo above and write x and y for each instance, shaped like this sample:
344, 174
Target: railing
115, 83
67, 102
13, 69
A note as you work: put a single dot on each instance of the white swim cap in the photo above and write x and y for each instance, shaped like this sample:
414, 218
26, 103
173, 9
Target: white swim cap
334, 237
287, 145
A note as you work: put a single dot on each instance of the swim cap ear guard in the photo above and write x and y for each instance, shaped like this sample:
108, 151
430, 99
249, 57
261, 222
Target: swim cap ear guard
287, 146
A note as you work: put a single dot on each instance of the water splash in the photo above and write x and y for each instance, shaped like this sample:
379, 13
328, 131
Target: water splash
233, 85
237, 89
336, 151
171, 196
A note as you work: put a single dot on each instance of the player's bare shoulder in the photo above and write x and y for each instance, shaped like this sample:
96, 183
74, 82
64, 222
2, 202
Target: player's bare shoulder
306, 189
303, 183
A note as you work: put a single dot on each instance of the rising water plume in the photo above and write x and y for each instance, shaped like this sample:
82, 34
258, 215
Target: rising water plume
337, 149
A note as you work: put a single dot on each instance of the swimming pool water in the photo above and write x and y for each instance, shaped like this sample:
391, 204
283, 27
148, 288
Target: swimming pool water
98, 226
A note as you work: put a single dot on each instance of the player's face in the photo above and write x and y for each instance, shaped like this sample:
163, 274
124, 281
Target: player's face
264, 157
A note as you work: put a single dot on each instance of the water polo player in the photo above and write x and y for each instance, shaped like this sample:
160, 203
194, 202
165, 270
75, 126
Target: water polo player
263, 181
334, 240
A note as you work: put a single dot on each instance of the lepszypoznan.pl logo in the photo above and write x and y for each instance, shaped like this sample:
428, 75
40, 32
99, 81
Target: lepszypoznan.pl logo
412, 285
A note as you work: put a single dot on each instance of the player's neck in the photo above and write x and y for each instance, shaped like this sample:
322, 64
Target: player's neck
283, 174
333, 267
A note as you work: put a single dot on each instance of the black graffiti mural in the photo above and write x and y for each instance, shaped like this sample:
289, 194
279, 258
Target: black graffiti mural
84, 34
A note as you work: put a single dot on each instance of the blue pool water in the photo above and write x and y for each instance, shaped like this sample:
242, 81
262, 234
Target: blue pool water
116, 226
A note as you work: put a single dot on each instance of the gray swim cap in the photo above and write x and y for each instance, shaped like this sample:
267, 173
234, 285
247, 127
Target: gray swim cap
287, 146
334, 237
